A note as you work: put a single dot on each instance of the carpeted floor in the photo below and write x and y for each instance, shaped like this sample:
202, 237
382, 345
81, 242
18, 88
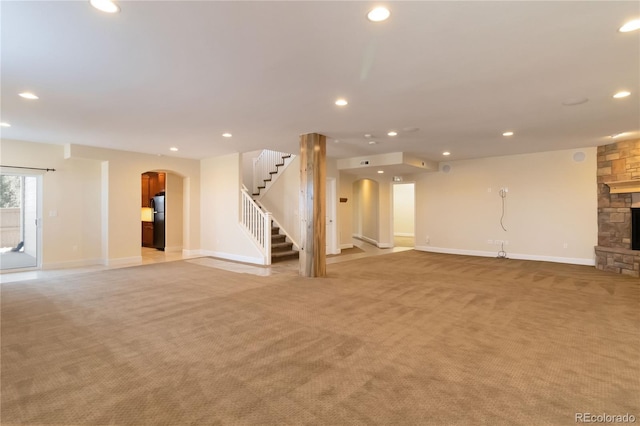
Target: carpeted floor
408, 338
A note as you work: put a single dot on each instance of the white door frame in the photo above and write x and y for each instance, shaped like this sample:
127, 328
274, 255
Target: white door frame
330, 216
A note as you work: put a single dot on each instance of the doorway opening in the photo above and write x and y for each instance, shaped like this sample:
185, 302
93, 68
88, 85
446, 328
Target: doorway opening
404, 215
162, 215
19, 221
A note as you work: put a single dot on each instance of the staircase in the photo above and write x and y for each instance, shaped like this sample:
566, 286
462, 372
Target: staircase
266, 168
281, 249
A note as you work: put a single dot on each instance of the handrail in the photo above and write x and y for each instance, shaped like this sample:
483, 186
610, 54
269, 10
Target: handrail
257, 223
265, 165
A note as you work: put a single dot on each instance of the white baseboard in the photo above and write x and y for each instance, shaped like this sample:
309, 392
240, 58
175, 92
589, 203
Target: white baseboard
72, 264
175, 249
123, 261
345, 246
236, 257
404, 234
372, 241
186, 252
515, 256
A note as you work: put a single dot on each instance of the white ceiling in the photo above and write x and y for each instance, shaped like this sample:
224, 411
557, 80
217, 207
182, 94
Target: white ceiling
162, 74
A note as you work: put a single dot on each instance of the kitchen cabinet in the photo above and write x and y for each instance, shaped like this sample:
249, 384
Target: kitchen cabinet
152, 183
147, 234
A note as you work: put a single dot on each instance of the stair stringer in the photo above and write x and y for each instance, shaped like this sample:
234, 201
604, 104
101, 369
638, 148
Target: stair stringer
274, 177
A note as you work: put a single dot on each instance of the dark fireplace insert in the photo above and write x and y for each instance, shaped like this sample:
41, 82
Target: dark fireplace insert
635, 229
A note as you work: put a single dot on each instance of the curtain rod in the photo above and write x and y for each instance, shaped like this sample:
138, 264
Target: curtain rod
30, 168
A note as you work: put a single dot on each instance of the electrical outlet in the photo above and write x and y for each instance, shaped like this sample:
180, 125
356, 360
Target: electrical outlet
427, 240
488, 189
489, 241
565, 245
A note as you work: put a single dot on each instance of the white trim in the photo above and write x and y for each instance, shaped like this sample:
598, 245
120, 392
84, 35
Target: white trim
372, 241
236, 257
515, 256
404, 234
123, 261
187, 252
175, 249
345, 246
72, 263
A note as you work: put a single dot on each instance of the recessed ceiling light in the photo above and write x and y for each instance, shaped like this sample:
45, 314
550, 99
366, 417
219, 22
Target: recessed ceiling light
341, 102
622, 94
226, 135
507, 134
336, 141
392, 133
367, 135
630, 26
28, 95
372, 142
380, 171
173, 148
378, 14
3, 124
446, 153
105, 6
574, 101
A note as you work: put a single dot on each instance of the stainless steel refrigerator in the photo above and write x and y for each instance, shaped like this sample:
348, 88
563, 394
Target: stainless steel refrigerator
158, 206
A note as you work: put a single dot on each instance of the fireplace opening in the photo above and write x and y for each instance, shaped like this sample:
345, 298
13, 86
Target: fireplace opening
635, 229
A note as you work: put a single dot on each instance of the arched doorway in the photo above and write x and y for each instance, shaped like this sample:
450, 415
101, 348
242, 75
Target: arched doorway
162, 213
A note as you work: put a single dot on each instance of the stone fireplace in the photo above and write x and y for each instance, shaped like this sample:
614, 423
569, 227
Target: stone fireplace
618, 191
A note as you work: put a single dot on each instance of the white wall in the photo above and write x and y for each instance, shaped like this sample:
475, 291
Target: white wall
122, 170
366, 210
345, 210
283, 201
248, 159
222, 234
174, 216
71, 202
403, 209
551, 207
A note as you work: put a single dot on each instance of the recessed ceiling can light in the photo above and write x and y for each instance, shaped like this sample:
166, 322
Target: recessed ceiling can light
392, 133
106, 6
630, 26
367, 135
3, 124
372, 142
507, 134
28, 95
622, 94
226, 135
378, 14
173, 148
446, 153
341, 102
380, 171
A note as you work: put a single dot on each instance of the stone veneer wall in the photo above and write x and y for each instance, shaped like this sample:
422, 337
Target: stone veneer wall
616, 162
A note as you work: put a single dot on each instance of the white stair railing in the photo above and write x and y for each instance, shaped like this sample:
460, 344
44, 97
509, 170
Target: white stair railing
257, 223
263, 167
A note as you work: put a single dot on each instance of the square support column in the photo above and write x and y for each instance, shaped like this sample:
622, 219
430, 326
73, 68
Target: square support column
313, 151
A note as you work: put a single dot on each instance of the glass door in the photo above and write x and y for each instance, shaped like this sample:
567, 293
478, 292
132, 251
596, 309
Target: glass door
19, 221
